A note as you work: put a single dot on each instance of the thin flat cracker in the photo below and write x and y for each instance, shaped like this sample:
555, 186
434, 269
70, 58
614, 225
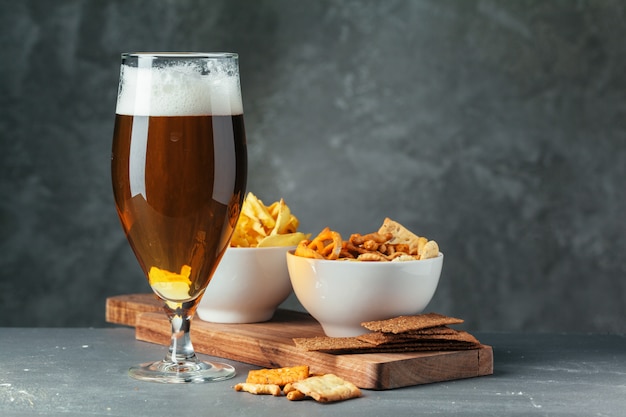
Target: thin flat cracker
400, 234
380, 339
330, 344
433, 330
404, 324
327, 388
352, 345
278, 376
419, 333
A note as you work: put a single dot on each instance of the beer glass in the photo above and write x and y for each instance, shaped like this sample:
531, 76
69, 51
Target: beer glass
179, 168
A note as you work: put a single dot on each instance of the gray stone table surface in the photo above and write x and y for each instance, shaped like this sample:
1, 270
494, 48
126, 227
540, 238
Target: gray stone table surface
82, 372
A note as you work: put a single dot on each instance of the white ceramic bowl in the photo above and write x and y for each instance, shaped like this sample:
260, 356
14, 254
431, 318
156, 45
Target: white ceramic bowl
341, 295
247, 286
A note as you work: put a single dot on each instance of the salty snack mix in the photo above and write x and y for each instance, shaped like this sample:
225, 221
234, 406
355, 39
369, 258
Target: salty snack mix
392, 242
297, 384
264, 226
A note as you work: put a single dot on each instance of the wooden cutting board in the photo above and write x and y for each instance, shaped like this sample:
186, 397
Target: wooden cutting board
270, 344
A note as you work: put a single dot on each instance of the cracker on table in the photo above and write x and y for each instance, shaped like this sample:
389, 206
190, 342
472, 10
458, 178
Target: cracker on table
278, 376
295, 395
258, 389
327, 388
404, 324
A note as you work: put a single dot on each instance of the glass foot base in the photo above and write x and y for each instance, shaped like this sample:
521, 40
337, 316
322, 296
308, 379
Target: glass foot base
182, 372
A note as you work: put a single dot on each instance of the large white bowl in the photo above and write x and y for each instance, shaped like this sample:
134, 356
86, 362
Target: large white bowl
341, 295
247, 286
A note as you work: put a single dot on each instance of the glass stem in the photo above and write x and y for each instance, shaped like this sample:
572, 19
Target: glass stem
180, 350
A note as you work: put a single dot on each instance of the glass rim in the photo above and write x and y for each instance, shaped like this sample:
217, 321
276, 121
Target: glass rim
177, 55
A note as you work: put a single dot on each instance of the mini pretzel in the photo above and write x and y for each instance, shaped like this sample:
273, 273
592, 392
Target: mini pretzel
371, 245
372, 256
327, 243
350, 247
305, 251
358, 239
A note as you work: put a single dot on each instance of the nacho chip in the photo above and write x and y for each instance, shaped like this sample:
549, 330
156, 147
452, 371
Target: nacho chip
264, 226
255, 209
284, 221
401, 235
290, 239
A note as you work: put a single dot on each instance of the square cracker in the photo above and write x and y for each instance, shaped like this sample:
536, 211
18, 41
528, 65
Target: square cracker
404, 324
278, 376
327, 388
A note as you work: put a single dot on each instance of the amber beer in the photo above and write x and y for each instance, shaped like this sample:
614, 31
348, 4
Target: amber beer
178, 182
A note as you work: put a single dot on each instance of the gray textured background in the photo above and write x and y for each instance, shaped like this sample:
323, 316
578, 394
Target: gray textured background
496, 128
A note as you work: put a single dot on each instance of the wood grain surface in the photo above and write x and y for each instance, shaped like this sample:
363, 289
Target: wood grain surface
270, 344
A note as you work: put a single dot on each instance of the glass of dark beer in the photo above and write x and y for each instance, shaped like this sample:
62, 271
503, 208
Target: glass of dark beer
179, 169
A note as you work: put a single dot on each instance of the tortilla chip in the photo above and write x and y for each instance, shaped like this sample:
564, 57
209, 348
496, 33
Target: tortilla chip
401, 235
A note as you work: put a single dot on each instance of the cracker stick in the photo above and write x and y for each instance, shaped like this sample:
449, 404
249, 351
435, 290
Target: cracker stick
258, 389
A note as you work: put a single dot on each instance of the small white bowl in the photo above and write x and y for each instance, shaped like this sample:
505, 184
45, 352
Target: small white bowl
247, 287
341, 295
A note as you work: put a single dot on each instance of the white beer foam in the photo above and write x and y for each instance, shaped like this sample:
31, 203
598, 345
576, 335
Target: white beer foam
177, 91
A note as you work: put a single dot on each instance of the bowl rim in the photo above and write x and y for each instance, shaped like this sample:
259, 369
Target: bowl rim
290, 253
